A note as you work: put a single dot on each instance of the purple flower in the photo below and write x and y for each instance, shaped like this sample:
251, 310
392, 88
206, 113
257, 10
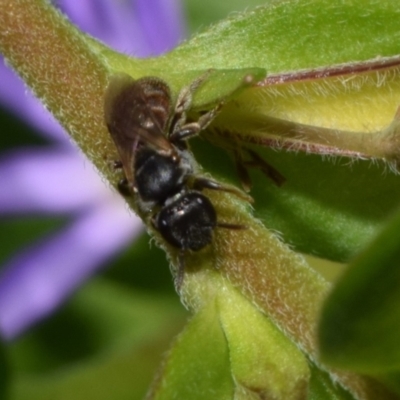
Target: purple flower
58, 180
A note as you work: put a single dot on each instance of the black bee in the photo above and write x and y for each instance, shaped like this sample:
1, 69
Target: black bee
150, 136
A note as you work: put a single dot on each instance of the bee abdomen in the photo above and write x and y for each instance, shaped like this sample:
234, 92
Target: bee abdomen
188, 222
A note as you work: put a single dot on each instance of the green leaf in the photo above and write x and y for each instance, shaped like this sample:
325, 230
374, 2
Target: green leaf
263, 361
360, 326
197, 367
293, 35
322, 387
327, 208
230, 350
201, 13
220, 84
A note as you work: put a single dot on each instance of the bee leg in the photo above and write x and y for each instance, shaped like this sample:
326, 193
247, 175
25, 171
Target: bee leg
114, 165
180, 273
256, 162
185, 97
124, 188
205, 183
181, 130
242, 172
185, 131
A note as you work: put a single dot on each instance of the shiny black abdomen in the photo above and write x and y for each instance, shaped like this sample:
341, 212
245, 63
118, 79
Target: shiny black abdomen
188, 222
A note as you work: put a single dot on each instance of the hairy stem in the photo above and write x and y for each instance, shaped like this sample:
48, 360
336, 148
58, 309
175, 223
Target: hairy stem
55, 61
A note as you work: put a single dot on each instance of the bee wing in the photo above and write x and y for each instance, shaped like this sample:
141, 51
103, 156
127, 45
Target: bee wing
137, 111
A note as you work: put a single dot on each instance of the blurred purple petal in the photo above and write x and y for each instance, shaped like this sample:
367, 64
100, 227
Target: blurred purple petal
50, 181
139, 27
15, 96
39, 279
161, 24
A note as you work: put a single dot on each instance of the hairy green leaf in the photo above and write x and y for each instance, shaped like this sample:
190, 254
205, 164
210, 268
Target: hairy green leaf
360, 326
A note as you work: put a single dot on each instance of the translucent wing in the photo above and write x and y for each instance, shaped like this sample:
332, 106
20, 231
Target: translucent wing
137, 113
